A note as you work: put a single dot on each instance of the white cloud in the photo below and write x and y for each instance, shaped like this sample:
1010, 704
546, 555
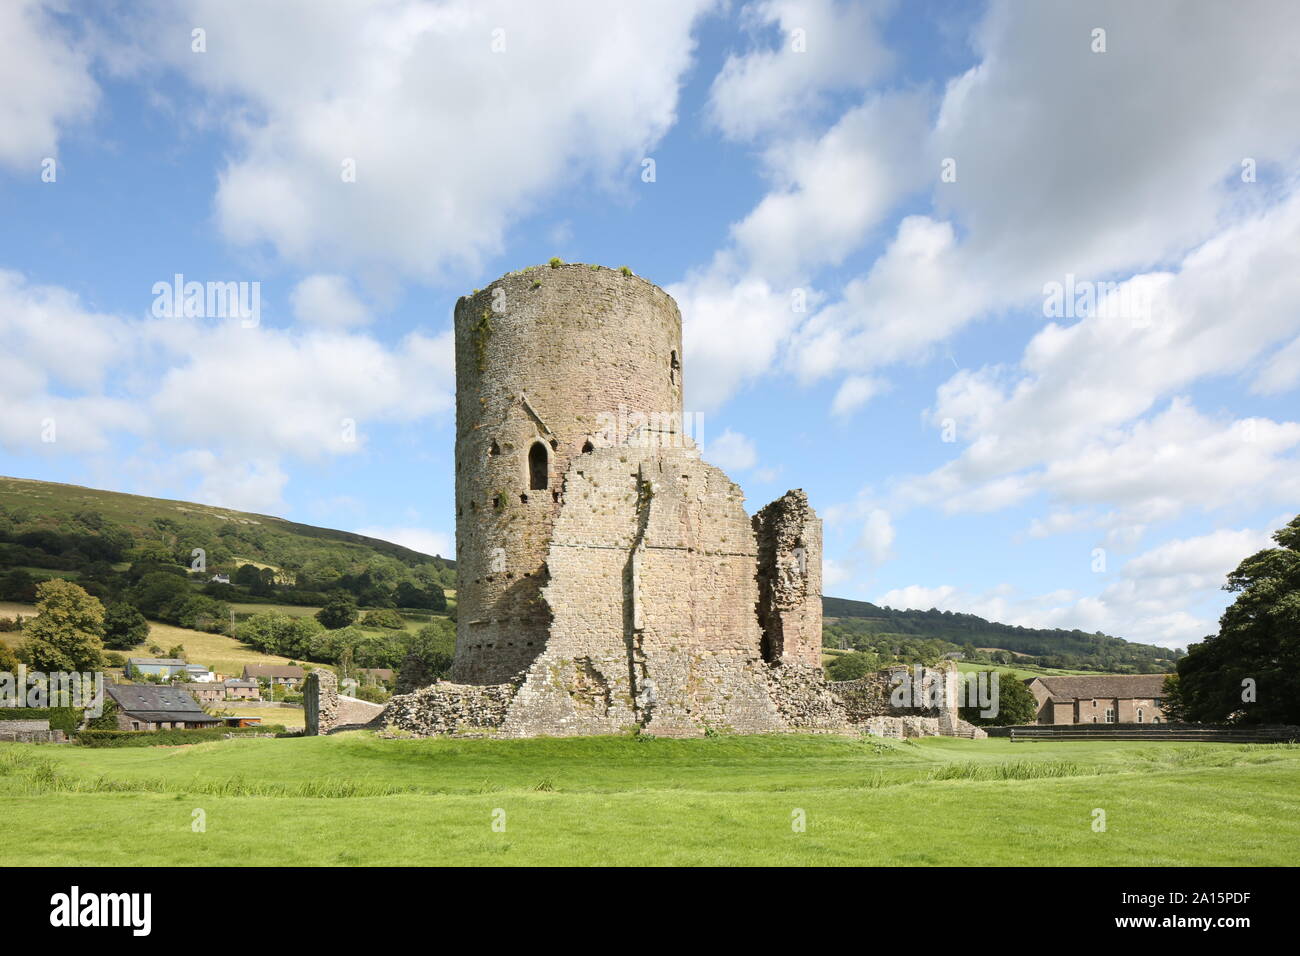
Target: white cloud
732, 327
828, 192
310, 395
732, 451
328, 301
877, 538
45, 84
742, 309
57, 355
854, 392
452, 142
823, 46
1148, 602
424, 540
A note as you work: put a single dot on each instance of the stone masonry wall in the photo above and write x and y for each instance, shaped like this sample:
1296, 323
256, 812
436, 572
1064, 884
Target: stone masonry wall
652, 594
541, 355
320, 699
790, 580
447, 708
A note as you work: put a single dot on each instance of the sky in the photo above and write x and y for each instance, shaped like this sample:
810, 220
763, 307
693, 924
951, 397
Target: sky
1010, 289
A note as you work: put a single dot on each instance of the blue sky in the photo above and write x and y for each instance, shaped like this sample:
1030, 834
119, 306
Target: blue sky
917, 175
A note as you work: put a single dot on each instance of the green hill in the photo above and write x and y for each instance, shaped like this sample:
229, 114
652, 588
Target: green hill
864, 626
70, 530
90, 536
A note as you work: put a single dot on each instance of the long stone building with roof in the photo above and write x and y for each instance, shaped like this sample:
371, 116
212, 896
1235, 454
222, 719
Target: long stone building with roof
1099, 699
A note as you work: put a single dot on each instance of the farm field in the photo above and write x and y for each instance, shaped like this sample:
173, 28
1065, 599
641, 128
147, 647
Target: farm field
354, 799
291, 718
830, 653
217, 651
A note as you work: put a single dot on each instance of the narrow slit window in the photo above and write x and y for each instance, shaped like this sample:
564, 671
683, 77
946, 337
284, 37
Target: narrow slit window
537, 467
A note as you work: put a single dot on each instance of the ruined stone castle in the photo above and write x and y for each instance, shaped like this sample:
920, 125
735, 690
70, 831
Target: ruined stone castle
608, 577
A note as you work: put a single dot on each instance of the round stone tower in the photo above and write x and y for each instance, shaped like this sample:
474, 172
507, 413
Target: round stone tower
550, 362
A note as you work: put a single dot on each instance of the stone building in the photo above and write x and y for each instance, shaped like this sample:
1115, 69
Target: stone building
609, 578
1100, 699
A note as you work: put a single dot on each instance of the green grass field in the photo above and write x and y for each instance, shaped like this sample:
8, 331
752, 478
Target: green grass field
354, 799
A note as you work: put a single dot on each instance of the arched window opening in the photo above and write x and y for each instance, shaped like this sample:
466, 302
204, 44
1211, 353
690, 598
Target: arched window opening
537, 467
494, 450
587, 446
674, 368
1139, 715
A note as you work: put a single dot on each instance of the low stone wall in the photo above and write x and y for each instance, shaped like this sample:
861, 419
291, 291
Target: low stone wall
31, 736
447, 708
320, 701
902, 727
23, 726
805, 700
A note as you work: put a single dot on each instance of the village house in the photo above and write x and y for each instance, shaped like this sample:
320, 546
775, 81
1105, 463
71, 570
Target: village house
286, 675
157, 707
1100, 699
377, 675
239, 689
205, 693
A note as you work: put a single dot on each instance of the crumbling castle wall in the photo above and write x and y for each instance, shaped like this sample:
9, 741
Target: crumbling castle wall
320, 701
790, 580
652, 595
544, 358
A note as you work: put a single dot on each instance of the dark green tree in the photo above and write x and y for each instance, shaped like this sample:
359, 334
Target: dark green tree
1016, 704
1250, 671
124, 627
339, 611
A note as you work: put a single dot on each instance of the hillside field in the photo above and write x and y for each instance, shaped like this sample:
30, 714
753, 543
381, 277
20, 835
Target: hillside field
357, 800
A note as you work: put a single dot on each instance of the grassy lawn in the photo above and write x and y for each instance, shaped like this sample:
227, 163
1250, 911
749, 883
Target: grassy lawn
292, 718
353, 799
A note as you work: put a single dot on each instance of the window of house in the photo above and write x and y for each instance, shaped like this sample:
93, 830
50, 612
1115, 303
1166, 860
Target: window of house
537, 467
1139, 720
1110, 715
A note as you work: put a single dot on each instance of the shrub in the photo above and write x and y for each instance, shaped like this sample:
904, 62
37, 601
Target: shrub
67, 719
384, 617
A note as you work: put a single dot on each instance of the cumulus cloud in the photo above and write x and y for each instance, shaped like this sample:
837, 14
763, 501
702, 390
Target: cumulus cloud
732, 451
328, 300
45, 83
823, 46
456, 118
877, 538
57, 355
1152, 599
424, 540
742, 310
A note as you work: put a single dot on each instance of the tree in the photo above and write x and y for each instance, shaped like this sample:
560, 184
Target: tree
156, 590
428, 658
1250, 671
106, 720
853, 666
275, 632
384, 617
17, 585
67, 632
339, 611
124, 627
1016, 704
8, 660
